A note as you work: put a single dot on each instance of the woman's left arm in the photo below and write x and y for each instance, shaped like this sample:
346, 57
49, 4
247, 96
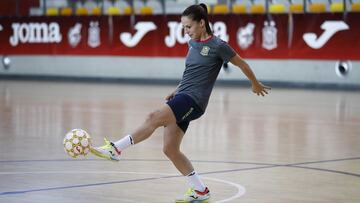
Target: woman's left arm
257, 87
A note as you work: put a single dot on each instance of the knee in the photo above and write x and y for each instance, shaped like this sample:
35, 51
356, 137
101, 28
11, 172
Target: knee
171, 151
154, 119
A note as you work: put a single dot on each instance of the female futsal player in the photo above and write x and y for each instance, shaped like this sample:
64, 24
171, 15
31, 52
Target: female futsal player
188, 102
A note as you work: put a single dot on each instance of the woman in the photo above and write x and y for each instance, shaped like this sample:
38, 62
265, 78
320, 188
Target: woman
188, 102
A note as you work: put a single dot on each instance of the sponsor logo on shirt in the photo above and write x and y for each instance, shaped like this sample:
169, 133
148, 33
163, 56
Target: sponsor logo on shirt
205, 51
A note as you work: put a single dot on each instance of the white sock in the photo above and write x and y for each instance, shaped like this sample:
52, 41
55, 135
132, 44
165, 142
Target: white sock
124, 143
195, 182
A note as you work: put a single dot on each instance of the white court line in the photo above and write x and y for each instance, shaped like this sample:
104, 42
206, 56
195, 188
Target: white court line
240, 189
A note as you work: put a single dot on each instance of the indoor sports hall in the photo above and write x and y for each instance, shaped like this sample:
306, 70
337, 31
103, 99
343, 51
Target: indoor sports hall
104, 65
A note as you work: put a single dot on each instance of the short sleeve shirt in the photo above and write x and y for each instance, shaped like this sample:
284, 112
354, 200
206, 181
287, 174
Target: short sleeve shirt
203, 63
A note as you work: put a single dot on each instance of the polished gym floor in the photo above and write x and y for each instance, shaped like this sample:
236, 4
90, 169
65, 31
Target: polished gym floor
294, 145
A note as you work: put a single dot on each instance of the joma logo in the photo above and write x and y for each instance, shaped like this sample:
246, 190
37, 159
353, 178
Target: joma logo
35, 33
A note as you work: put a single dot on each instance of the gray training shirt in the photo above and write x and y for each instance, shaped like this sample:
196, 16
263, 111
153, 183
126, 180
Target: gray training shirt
203, 63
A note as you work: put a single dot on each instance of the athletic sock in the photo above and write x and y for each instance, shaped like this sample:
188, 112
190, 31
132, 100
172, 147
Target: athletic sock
124, 143
195, 182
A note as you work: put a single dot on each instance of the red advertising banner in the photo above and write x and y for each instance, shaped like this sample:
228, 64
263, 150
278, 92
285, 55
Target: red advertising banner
283, 36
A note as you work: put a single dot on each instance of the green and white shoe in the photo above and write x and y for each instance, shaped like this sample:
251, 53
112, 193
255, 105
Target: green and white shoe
192, 195
107, 151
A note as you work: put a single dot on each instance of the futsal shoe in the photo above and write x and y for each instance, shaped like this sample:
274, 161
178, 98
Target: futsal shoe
192, 195
107, 151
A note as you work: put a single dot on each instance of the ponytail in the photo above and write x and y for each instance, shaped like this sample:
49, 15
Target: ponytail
198, 13
204, 7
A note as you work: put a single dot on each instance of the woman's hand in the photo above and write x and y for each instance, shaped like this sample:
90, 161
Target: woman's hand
257, 87
260, 89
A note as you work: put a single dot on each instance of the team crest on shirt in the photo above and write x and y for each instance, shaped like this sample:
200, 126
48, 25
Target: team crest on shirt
205, 51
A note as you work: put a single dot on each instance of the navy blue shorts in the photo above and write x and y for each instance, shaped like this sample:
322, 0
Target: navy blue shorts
185, 110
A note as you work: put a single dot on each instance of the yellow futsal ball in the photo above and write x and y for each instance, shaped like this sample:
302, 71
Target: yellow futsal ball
77, 142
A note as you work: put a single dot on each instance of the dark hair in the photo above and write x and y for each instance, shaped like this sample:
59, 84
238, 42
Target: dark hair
198, 13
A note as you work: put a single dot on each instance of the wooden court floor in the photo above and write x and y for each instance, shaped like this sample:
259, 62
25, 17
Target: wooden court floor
291, 146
